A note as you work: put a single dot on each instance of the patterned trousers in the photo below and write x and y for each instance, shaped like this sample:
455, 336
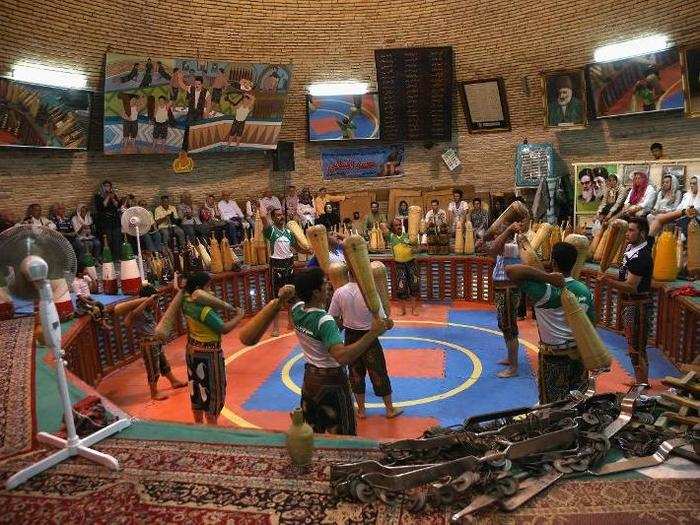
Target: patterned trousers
327, 402
154, 360
372, 362
557, 375
206, 372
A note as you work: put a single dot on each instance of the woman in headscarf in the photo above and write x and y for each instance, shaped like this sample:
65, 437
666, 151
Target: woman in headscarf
210, 216
641, 197
82, 226
107, 217
669, 196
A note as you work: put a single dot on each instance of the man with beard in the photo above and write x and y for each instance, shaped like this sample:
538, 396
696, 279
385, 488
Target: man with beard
585, 177
566, 110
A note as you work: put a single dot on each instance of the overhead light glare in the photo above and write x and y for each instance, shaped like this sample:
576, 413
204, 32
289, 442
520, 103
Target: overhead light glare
49, 77
631, 48
349, 87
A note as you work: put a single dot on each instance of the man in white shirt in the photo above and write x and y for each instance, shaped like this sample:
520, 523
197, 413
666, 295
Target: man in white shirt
458, 209
350, 311
436, 215
166, 216
232, 214
269, 202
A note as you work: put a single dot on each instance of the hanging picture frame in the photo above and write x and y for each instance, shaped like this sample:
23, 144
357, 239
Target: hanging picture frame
485, 105
690, 63
564, 96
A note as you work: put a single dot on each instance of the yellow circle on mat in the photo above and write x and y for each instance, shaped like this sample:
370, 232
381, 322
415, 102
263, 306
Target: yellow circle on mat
244, 423
289, 383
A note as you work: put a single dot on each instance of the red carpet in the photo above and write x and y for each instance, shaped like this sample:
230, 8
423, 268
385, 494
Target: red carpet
171, 482
16, 386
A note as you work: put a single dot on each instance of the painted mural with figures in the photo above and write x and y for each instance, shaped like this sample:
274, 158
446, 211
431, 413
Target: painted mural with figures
159, 105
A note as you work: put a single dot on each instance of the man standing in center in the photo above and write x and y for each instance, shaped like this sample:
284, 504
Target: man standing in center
350, 311
325, 396
281, 241
559, 366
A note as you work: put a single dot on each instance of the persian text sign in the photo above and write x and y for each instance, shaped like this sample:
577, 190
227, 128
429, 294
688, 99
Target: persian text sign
362, 163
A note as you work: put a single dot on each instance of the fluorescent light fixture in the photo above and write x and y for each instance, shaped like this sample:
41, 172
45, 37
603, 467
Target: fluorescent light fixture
631, 48
338, 88
49, 77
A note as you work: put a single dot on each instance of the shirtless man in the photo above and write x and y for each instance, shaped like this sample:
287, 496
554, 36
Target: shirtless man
218, 85
242, 109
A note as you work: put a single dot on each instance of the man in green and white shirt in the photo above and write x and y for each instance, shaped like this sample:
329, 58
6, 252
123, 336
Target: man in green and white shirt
560, 368
281, 241
325, 395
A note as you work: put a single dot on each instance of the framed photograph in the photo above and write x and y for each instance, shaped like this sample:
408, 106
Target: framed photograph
564, 94
342, 117
641, 84
590, 186
38, 116
485, 105
677, 170
628, 171
690, 61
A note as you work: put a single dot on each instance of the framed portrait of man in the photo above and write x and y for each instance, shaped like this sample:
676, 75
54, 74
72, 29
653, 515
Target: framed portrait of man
690, 61
564, 94
592, 184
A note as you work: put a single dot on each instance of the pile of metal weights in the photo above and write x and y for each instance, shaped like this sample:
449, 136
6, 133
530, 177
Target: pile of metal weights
506, 458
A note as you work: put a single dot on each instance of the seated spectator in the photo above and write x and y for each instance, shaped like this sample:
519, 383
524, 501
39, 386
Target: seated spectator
83, 228
335, 249
191, 223
402, 215
232, 214
436, 215
479, 218
291, 204
85, 304
167, 221
269, 202
210, 216
34, 216
6, 221
251, 207
329, 218
374, 217
668, 198
57, 214
151, 241
641, 197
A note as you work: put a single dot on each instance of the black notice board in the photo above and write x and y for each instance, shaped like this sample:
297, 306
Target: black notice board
415, 93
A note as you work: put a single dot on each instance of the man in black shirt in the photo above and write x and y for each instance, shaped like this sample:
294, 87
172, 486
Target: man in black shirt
634, 282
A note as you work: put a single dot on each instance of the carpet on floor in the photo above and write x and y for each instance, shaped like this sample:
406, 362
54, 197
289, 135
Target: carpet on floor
175, 482
16, 386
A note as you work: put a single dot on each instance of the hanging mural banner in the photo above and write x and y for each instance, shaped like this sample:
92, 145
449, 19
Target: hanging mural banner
167, 105
362, 163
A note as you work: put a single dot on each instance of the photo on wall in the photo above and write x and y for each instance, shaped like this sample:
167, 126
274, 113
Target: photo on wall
37, 116
485, 105
690, 58
564, 99
343, 117
160, 106
677, 171
629, 170
592, 184
640, 84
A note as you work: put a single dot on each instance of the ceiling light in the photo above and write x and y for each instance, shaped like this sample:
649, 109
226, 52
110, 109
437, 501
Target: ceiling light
49, 77
338, 88
631, 48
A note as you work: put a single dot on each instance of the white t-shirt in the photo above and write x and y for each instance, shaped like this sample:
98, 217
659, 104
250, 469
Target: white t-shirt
458, 212
349, 304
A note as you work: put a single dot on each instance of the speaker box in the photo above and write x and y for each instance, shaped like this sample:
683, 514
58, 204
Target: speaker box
283, 158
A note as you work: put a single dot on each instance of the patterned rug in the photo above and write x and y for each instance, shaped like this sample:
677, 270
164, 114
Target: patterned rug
175, 482
16, 386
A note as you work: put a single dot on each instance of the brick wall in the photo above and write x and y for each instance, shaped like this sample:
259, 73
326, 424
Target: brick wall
335, 40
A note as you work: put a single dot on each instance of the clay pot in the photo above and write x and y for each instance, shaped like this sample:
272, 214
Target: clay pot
300, 439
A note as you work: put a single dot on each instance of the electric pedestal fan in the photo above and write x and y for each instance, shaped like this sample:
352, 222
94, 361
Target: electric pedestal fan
134, 221
29, 257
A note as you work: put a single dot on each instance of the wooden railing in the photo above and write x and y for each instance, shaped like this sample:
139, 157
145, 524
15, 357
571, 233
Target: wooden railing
93, 353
